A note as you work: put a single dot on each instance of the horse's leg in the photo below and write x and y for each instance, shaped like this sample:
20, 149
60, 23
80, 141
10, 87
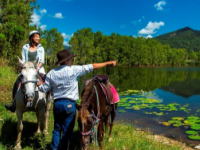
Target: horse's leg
19, 129
40, 112
100, 134
38, 121
46, 117
106, 123
112, 117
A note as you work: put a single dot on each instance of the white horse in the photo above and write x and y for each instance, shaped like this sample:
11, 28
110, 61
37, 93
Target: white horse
28, 98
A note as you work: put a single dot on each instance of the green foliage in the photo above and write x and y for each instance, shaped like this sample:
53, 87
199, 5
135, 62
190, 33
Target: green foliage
52, 42
94, 46
15, 20
186, 38
183, 38
14, 26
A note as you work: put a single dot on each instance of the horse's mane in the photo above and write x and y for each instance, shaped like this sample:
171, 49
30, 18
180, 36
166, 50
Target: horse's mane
28, 65
86, 92
85, 101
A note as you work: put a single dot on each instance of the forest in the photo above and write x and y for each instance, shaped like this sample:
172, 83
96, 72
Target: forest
89, 46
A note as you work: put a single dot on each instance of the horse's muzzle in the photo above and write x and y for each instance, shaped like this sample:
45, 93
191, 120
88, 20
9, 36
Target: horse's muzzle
29, 101
85, 142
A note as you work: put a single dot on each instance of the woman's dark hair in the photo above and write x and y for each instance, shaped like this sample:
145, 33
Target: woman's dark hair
31, 42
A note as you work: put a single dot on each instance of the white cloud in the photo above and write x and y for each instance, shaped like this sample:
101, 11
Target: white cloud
35, 19
58, 15
159, 6
149, 36
66, 43
151, 28
43, 11
66, 37
43, 27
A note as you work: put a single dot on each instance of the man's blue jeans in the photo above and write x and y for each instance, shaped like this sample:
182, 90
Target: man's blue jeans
64, 118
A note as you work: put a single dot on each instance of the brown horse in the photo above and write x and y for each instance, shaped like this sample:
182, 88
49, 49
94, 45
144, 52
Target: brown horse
96, 112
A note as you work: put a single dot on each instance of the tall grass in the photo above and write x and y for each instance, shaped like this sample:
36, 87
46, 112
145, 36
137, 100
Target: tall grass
7, 78
7, 74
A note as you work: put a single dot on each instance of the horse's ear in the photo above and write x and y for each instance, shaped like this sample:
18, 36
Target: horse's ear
20, 62
78, 106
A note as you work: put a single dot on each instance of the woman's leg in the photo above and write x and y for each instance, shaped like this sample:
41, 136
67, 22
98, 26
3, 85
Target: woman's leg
16, 87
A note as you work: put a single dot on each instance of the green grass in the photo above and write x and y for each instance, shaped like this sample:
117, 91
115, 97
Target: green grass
7, 78
124, 136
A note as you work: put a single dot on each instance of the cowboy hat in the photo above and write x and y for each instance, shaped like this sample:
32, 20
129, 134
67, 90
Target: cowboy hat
64, 56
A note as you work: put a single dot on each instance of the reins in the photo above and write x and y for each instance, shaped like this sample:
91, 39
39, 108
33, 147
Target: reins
96, 119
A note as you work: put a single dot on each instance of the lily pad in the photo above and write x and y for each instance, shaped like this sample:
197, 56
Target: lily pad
195, 127
191, 132
166, 124
121, 110
155, 113
194, 137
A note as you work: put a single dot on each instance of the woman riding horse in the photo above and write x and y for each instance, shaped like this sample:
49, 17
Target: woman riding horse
33, 52
28, 98
63, 83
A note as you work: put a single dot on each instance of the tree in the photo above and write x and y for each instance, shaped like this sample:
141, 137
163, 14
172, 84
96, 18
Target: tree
14, 27
52, 41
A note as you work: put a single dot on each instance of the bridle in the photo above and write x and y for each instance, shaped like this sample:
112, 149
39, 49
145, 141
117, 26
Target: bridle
22, 84
29, 81
95, 118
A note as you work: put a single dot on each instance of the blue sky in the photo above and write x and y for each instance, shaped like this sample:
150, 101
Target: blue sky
148, 18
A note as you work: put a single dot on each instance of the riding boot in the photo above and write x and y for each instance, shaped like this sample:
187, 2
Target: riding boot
12, 107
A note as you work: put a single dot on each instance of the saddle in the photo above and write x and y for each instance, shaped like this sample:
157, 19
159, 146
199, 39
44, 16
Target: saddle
104, 83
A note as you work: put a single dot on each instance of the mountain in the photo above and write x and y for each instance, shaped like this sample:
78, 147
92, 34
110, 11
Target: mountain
183, 38
185, 88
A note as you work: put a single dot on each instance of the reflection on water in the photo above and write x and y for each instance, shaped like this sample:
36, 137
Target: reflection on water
150, 79
171, 85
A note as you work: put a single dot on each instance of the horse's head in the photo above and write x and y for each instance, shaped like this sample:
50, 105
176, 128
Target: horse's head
29, 79
85, 122
86, 116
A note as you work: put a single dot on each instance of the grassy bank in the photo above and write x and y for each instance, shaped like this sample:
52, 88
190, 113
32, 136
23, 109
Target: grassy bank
124, 136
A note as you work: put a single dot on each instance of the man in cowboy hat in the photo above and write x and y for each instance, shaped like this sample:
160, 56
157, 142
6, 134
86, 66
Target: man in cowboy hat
62, 82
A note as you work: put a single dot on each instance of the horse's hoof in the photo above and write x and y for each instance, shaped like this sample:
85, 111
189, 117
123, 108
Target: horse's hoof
37, 132
110, 139
17, 147
45, 132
